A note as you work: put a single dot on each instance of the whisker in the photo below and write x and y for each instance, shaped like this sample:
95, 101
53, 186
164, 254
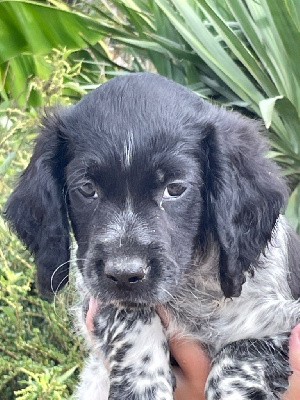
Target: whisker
165, 290
70, 261
76, 175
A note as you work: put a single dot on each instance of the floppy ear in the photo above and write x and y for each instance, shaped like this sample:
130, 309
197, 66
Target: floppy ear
244, 196
36, 210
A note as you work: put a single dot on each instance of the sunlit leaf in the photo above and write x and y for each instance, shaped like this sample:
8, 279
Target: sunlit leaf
266, 108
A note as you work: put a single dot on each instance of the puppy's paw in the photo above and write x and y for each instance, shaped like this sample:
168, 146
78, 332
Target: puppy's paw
250, 369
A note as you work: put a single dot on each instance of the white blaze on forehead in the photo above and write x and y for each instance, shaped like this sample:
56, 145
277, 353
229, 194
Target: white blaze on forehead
122, 223
128, 151
127, 225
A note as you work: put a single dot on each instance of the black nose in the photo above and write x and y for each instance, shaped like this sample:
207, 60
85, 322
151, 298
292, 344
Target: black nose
126, 271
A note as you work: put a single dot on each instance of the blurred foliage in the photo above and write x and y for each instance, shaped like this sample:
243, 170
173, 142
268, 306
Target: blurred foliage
28, 31
40, 355
242, 54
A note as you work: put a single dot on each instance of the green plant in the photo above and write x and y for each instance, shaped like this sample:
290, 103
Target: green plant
40, 354
31, 30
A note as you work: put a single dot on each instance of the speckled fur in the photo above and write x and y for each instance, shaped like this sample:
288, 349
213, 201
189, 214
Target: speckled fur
129, 354
248, 346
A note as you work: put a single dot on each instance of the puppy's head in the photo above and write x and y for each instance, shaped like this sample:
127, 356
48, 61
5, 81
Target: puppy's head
146, 172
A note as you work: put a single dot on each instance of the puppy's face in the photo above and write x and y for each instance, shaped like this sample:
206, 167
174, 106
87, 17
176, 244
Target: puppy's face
135, 212
148, 174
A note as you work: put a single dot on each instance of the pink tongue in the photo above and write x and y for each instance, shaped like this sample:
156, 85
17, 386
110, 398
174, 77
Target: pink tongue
93, 307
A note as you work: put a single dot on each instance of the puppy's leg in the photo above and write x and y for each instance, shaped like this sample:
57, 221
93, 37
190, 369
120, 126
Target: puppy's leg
250, 369
135, 349
94, 380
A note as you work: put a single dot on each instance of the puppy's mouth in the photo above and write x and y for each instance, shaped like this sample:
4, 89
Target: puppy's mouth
133, 282
92, 308
140, 295
128, 300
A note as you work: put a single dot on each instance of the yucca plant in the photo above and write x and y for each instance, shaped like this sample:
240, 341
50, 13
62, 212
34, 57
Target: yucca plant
29, 31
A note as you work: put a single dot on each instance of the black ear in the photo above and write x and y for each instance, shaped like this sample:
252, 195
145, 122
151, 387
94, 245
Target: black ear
36, 210
244, 196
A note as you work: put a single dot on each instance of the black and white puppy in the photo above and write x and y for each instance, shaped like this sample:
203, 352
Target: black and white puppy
173, 203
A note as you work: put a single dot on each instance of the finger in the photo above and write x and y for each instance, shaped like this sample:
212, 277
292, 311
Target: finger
186, 352
193, 365
192, 371
190, 357
163, 315
185, 389
93, 307
294, 380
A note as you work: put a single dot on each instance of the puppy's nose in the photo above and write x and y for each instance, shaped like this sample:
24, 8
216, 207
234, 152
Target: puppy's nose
126, 271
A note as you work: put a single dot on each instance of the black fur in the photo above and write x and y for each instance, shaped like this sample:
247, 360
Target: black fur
38, 212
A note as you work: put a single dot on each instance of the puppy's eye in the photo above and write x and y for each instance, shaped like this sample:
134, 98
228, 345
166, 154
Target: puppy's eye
173, 190
88, 190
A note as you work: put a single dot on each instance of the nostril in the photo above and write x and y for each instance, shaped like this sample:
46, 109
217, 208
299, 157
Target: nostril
112, 278
124, 278
134, 279
126, 271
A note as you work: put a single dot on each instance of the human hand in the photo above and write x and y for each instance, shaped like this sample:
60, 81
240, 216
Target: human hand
192, 370
193, 364
293, 392
89, 319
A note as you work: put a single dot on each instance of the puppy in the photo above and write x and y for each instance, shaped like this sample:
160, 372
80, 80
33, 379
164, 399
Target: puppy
172, 202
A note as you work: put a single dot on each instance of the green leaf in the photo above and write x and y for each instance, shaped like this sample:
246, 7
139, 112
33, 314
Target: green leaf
251, 29
6, 163
10, 313
290, 118
238, 48
29, 30
285, 29
62, 378
266, 108
36, 28
293, 209
206, 45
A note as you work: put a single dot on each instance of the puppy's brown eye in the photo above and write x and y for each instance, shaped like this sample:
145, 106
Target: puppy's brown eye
88, 190
173, 190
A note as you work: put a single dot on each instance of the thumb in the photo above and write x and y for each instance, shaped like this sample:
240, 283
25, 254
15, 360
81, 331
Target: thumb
294, 355
295, 350
93, 308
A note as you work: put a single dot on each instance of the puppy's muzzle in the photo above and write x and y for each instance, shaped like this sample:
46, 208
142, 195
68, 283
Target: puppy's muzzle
126, 272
